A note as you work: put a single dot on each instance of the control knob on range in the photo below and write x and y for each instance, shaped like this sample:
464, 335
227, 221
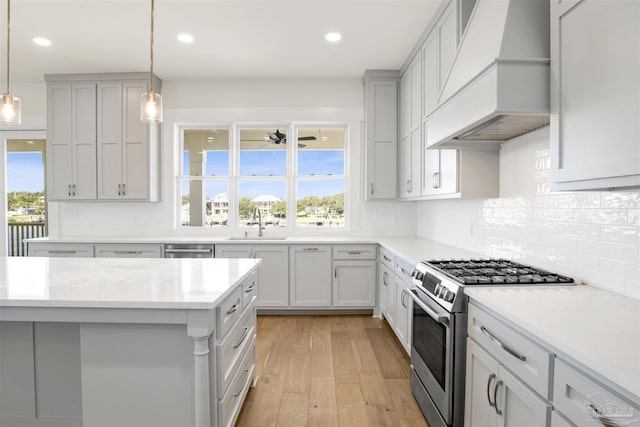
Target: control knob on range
437, 289
449, 296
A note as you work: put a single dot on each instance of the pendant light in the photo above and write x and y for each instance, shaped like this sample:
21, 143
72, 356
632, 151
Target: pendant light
151, 102
10, 112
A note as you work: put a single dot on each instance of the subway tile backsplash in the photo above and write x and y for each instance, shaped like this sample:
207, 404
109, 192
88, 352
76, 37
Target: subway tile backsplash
591, 236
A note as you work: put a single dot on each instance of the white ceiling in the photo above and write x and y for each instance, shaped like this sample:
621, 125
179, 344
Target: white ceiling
233, 38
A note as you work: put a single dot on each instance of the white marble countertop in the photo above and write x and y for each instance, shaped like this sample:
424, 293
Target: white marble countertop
251, 239
592, 328
119, 283
415, 249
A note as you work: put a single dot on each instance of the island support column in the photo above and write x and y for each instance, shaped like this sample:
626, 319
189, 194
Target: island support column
200, 326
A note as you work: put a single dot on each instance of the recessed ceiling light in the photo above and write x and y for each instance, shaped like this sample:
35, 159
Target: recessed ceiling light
185, 38
333, 37
41, 41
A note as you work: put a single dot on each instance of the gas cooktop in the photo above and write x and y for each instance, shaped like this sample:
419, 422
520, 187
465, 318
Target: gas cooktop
495, 271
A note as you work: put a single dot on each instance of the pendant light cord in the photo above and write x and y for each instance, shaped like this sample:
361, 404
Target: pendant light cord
8, 42
151, 72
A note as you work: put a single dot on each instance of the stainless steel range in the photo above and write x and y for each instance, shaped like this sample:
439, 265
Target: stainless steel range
438, 344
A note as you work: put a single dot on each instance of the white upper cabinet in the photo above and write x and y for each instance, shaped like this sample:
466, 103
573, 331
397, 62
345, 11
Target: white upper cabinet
381, 117
97, 147
71, 141
411, 130
595, 94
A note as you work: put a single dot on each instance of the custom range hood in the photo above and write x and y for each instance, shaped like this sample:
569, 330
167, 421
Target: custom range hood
498, 85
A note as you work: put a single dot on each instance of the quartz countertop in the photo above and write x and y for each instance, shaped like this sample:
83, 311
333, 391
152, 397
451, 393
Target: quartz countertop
592, 328
415, 249
119, 283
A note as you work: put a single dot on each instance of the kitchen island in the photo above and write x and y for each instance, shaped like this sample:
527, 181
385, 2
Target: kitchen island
126, 342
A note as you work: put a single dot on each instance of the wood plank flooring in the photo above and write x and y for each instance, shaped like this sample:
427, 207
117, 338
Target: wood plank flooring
329, 371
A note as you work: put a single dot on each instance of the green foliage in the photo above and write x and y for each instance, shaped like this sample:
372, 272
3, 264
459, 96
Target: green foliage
327, 205
279, 209
246, 207
23, 199
185, 200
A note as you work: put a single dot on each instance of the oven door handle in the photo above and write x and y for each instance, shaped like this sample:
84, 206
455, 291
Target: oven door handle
442, 318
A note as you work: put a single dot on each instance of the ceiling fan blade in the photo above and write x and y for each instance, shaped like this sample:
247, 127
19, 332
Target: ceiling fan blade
307, 138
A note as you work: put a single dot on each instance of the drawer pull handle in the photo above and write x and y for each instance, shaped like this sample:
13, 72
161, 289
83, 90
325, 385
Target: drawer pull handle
249, 290
355, 252
386, 258
595, 413
244, 335
128, 252
385, 276
495, 396
233, 309
491, 378
405, 272
61, 251
246, 374
503, 345
310, 249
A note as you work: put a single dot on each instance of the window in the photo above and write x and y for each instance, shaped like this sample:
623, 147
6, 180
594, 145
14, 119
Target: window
204, 180
233, 179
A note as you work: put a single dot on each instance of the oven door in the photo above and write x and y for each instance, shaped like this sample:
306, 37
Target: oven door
432, 350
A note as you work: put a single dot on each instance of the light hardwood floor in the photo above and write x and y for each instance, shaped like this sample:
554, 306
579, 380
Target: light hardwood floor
329, 371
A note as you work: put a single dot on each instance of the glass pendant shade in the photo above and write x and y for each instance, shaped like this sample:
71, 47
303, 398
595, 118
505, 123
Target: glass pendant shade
151, 107
10, 111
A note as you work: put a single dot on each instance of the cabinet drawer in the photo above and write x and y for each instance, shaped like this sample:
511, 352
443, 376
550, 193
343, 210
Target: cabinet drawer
60, 250
228, 312
249, 291
229, 406
354, 252
527, 360
387, 258
230, 351
403, 269
128, 251
586, 402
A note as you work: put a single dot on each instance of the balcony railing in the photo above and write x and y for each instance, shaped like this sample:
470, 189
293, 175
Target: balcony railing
18, 231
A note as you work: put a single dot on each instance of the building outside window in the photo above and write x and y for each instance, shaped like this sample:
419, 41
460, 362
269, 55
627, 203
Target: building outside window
227, 177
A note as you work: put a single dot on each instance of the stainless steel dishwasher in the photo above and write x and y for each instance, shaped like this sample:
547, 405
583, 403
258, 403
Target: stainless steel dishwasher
188, 250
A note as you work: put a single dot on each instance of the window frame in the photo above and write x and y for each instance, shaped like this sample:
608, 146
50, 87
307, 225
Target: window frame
291, 178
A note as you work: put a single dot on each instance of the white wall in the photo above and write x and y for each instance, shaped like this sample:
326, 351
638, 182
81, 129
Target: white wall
591, 236
240, 101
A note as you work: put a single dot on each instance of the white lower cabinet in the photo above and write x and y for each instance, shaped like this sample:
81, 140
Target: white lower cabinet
495, 397
310, 274
61, 250
353, 283
385, 285
403, 313
127, 251
273, 273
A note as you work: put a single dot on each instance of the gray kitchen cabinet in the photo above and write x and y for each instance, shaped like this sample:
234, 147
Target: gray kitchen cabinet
97, 147
60, 250
130, 250
128, 152
402, 322
354, 276
71, 141
273, 274
386, 284
411, 129
381, 134
558, 420
310, 276
496, 397
584, 401
595, 82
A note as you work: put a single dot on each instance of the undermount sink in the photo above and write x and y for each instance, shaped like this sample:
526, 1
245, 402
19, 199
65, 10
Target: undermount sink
256, 238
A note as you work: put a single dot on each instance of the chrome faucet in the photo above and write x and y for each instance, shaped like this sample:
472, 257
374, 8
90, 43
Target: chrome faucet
260, 228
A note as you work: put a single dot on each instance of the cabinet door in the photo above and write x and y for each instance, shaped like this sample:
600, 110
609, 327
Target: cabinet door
234, 251
431, 72
382, 139
518, 405
415, 74
405, 167
59, 148
403, 312
354, 283
83, 128
481, 379
135, 144
273, 276
448, 42
405, 105
595, 81
385, 283
60, 250
310, 274
109, 141
128, 251
416, 162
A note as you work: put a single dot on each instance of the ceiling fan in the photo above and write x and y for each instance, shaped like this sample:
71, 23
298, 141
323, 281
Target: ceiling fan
278, 137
